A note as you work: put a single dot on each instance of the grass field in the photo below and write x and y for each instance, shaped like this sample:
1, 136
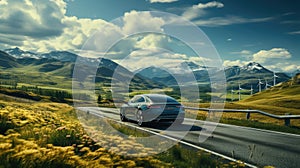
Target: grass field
49, 135
36, 134
280, 100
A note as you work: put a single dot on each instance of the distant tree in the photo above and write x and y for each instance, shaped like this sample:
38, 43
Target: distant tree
99, 98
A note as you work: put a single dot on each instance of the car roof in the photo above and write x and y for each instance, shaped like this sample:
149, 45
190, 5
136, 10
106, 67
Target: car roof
159, 97
155, 95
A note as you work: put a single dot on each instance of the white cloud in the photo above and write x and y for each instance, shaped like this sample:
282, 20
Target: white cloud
200, 60
42, 27
157, 53
36, 20
76, 34
295, 32
162, 1
229, 20
275, 59
212, 4
290, 68
152, 57
282, 67
243, 52
199, 10
141, 22
153, 41
228, 63
276, 67
3, 2
273, 55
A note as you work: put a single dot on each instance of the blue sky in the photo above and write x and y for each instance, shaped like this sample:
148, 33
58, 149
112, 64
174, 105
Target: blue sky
264, 31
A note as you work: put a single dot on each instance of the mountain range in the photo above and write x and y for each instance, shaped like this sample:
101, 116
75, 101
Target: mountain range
246, 76
57, 67
61, 63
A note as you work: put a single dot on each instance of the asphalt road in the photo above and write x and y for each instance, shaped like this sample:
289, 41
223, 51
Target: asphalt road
254, 146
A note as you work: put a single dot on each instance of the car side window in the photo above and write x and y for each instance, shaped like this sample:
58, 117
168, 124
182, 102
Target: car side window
140, 100
135, 99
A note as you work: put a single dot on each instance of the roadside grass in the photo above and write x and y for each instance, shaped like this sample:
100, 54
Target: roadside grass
50, 135
235, 96
180, 155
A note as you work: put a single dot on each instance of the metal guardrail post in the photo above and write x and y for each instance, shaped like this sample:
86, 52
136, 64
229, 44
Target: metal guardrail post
287, 121
248, 115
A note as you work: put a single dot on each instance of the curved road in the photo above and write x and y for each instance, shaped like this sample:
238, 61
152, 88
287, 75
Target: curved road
255, 146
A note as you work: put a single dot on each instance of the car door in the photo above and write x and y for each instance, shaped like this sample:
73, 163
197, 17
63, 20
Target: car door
132, 108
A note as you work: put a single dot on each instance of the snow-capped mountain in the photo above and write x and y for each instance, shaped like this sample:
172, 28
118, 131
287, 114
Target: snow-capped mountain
251, 69
64, 56
18, 53
254, 67
249, 74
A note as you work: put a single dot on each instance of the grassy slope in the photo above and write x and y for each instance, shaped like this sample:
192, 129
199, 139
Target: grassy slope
49, 135
281, 99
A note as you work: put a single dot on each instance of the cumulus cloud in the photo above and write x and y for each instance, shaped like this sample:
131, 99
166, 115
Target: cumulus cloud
36, 20
200, 60
229, 63
282, 67
162, 1
272, 55
3, 2
212, 4
199, 9
153, 41
141, 22
158, 57
44, 26
159, 53
275, 59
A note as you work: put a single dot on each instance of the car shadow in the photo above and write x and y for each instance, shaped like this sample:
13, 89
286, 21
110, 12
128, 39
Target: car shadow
175, 127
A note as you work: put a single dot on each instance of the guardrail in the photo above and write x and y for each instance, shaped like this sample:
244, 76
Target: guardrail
287, 118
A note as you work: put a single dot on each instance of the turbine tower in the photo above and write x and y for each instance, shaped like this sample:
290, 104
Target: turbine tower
232, 91
259, 85
240, 91
251, 90
274, 78
266, 87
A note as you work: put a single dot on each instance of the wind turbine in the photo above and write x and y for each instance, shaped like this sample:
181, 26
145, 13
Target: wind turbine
259, 85
274, 78
266, 87
240, 91
232, 91
251, 90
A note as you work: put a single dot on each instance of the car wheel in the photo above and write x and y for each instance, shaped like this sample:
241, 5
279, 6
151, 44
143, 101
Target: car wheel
140, 118
122, 117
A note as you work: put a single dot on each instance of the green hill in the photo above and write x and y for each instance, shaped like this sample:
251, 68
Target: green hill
283, 97
7, 61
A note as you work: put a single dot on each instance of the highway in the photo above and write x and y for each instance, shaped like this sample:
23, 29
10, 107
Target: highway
255, 146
